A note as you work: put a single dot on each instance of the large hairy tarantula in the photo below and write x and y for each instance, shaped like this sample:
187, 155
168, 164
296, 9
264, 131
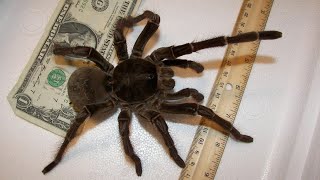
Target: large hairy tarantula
141, 85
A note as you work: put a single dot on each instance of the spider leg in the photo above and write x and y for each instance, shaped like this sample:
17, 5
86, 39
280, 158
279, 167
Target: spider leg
177, 51
80, 118
187, 92
124, 121
193, 109
70, 135
182, 63
147, 32
120, 41
84, 52
162, 127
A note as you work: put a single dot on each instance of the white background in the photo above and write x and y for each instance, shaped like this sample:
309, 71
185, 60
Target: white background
280, 107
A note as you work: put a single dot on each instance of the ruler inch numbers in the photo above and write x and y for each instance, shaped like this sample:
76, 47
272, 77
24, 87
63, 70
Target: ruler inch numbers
208, 144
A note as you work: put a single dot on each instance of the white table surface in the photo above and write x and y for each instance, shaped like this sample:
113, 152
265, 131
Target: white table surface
280, 107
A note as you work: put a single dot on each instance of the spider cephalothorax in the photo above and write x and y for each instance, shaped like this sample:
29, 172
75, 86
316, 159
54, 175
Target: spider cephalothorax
141, 85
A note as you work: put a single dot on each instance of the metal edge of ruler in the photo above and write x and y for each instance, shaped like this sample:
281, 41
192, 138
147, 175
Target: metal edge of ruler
208, 144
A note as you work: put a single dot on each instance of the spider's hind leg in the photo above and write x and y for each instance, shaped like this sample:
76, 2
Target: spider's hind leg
162, 127
124, 121
70, 135
194, 109
120, 41
87, 111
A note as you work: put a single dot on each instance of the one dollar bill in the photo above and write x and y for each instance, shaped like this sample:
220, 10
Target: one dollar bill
40, 95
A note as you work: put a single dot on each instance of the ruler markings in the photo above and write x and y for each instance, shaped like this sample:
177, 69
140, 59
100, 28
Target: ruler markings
208, 145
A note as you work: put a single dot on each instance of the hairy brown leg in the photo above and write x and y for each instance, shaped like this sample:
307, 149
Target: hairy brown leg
193, 109
120, 41
173, 52
70, 135
156, 119
80, 118
183, 63
147, 32
85, 52
124, 119
187, 92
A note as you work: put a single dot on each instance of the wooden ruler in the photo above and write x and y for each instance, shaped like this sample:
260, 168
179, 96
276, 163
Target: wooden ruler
208, 145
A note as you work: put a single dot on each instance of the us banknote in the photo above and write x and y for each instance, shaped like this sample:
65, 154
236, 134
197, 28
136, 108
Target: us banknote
40, 95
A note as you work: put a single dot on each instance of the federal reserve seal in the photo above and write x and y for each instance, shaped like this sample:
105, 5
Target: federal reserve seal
100, 5
56, 78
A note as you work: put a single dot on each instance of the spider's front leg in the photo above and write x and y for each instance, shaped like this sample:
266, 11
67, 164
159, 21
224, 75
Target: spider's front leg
124, 121
120, 41
173, 52
84, 52
194, 109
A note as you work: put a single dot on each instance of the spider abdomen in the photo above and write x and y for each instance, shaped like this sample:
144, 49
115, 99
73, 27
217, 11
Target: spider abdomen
86, 86
135, 80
